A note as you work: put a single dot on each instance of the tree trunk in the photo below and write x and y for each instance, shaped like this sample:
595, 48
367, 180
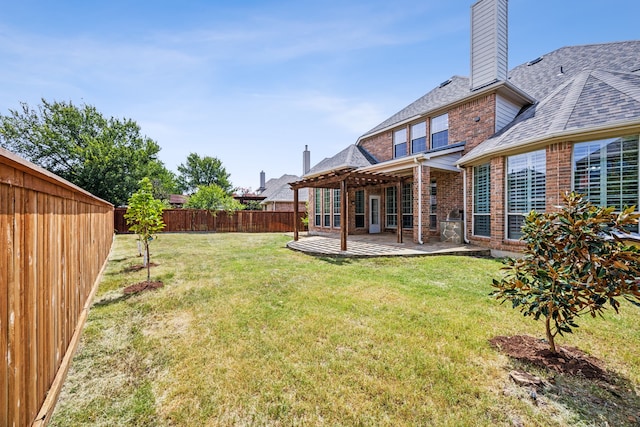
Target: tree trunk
550, 336
146, 249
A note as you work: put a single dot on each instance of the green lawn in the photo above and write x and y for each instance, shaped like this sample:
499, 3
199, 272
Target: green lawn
247, 332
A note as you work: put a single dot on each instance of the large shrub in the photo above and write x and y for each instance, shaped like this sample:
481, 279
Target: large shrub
575, 261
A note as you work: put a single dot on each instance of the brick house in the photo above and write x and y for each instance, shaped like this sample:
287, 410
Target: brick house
470, 158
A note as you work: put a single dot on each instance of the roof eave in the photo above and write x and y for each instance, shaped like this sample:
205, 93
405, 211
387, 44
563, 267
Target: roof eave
515, 93
410, 161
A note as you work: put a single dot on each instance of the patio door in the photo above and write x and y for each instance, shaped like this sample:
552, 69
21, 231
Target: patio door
374, 212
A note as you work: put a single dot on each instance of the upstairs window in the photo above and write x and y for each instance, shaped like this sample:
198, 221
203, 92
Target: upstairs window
400, 143
440, 131
419, 137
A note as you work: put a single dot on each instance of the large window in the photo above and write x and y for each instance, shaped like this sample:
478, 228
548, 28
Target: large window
526, 189
606, 171
317, 207
400, 143
391, 207
336, 208
327, 207
440, 131
482, 200
418, 137
407, 205
360, 206
391, 204
433, 205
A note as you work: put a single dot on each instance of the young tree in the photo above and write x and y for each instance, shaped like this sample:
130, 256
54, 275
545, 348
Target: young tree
107, 157
203, 171
144, 215
574, 262
213, 198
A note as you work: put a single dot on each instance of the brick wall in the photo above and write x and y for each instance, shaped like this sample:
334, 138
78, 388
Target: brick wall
558, 181
284, 206
462, 124
380, 146
558, 173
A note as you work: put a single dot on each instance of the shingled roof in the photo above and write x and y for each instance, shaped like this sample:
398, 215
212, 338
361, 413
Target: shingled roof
537, 78
278, 190
352, 157
590, 100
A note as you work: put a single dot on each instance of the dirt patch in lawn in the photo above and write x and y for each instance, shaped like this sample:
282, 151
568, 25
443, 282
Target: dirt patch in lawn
568, 360
142, 286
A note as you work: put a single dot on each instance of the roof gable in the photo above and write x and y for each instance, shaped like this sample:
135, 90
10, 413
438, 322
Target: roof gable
278, 190
352, 157
589, 100
538, 78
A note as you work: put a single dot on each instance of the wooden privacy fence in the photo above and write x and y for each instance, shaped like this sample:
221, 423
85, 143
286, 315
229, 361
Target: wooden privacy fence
55, 239
185, 220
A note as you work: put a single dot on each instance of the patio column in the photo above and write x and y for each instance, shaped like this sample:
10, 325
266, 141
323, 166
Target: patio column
295, 214
399, 210
343, 215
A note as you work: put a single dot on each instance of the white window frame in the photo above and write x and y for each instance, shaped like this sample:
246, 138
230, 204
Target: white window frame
317, 207
530, 187
419, 132
399, 139
336, 208
439, 125
598, 157
481, 196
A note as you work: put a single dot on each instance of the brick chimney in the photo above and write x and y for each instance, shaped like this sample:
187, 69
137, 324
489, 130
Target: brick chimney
489, 42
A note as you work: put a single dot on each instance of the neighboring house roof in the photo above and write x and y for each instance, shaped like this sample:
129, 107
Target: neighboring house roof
588, 101
178, 199
278, 190
352, 157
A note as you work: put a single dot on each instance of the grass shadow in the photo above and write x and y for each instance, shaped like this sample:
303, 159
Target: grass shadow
612, 401
335, 260
108, 300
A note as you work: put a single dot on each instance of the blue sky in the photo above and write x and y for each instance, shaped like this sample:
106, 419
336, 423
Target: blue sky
253, 82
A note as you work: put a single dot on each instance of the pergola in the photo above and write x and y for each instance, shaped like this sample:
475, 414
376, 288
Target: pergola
344, 179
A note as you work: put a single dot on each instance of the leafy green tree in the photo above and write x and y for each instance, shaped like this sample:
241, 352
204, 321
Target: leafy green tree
144, 215
213, 198
201, 172
107, 157
574, 262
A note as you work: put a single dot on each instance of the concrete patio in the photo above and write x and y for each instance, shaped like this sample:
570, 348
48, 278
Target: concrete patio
378, 245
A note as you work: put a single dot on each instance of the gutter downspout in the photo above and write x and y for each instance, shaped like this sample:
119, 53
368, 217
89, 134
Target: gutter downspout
419, 168
464, 205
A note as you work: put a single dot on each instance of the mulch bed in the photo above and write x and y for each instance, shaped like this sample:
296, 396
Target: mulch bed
142, 286
568, 360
